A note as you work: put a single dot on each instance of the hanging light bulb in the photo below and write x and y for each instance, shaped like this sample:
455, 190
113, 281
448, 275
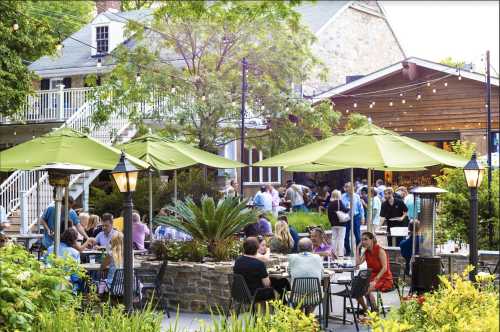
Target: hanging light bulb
99, 63
434, 90
203, 97
459, 75
419, 96
391, 103
403, 101
138, 77
445, 83
347, 111
401, 94
425, 129
355, 105
411, 129
173, 89
428, 83
15, 26
371, 105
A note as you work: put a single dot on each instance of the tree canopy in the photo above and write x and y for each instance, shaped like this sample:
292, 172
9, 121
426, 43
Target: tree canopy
192, 51
28, 31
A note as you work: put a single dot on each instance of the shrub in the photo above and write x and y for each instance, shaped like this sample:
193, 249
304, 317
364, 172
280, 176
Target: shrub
192, 251
302, 220
107, 319
454, 215
27, 287
210, 223
457, 305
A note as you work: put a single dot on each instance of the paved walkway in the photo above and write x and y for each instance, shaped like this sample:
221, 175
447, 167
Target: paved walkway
189, 322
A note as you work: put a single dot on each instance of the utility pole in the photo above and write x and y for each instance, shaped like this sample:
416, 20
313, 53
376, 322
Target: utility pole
244, 89
488, 140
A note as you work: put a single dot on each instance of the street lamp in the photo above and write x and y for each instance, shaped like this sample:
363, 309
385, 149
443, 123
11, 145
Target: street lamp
474, 173
125, 175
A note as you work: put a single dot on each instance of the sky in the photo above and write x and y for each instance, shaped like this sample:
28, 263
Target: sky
434, 30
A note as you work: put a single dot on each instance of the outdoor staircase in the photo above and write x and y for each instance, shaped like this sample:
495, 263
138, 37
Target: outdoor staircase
21, 191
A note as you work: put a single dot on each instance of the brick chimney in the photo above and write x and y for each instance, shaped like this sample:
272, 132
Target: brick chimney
104, 5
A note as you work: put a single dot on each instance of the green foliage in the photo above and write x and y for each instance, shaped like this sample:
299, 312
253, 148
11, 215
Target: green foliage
449, 61
192, 251
190, 183
356, 120
302, 220
27, 287
276, 317
127, 5
454, 214
210, 223
208, 41
107, 319
458, 305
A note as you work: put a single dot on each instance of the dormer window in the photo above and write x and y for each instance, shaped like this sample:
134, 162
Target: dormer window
102, 39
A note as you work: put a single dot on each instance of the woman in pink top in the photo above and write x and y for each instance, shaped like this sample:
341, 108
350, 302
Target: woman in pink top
139, 231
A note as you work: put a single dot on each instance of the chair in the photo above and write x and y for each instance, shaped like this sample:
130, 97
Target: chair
396, 275
240, 293
155, 286
358, 288
117, 285
307, 293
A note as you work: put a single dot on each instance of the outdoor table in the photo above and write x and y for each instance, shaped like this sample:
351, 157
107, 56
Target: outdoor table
398, 232
92, 267
25, 238
450, 255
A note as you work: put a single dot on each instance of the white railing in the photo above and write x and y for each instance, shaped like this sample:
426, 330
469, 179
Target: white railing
50, 105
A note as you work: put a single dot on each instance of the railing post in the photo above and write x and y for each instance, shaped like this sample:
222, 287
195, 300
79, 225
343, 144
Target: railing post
61, 102
23, 207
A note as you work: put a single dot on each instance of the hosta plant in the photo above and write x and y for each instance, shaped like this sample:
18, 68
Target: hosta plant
211, 223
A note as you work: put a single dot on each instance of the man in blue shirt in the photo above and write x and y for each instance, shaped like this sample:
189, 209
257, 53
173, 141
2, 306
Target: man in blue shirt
359, 217
48, 222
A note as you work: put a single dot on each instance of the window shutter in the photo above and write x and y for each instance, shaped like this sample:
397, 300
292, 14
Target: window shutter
67, 82
45, 84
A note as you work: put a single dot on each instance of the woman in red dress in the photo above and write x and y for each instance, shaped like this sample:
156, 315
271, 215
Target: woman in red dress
377, 261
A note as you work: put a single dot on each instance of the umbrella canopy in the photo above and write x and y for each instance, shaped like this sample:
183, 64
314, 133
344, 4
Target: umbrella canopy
314, 167
63, 146
367, 147
165, 154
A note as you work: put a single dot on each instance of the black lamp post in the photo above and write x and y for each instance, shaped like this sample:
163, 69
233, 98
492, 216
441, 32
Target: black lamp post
125, 175
474, 173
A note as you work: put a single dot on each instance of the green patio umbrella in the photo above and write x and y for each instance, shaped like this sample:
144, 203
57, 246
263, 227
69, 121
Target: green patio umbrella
62, 152
368, 147
165, 154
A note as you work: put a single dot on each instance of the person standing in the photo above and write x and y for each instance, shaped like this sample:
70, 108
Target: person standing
275, 199
394, 212
263, 200
376, 206
295, 195
338, 228
359, 215
139, 231
231, 189
409, 201
379, 188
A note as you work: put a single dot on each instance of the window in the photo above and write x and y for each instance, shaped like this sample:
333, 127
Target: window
258, 174
102, 39
55, 82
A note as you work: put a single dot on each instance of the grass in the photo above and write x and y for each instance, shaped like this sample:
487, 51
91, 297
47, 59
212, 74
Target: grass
301, 220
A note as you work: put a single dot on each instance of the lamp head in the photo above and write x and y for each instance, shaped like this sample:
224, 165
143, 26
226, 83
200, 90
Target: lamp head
125, 175
473, 172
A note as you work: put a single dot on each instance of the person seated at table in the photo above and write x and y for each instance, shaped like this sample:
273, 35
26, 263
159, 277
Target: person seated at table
320, 244
67, 251
264, 225
377, 261
94, 226
406, 246
139, 231
282, 241
84, 220
114, 260
263, 253
293, 232
305, 264
254, 270
102, 239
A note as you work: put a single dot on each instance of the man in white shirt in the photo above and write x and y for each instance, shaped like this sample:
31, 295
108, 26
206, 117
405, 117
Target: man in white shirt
275, 197
263, 200
295, 195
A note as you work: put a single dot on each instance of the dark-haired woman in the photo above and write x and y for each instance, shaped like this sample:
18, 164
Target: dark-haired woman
377, 261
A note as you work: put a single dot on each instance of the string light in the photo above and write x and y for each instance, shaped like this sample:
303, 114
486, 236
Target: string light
203, 97
425, 129
428, 83
347, 111
391, 103
355, 105
401, 94
371, 106
15, 26
99, 63
405, 112
434, 90
445, 83
411, 129
373, 103
459, 75
403, 101
419, 96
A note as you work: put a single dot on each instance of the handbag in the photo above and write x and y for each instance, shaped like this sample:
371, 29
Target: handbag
342, 216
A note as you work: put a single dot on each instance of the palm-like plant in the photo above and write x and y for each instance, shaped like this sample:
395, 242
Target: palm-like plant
210, 223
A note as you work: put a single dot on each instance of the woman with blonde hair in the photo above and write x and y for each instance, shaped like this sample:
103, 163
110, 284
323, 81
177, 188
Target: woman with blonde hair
114, 260
338, 227
282, 242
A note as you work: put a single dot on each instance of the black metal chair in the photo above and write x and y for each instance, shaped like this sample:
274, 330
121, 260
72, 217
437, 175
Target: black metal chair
118, 284
396, 277
357, 288
154, 286
306, 292
240, 293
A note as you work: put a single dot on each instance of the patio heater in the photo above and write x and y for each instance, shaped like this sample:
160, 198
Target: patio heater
125, 176
426, 266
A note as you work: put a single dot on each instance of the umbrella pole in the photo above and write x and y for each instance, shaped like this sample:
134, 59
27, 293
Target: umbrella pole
351, 197
150, 203
369, 222
175, 185
57, 226
66, 208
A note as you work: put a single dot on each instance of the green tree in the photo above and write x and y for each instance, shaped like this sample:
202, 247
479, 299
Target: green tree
449, 61
356, 120
454, 214
192, 54
127, 5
